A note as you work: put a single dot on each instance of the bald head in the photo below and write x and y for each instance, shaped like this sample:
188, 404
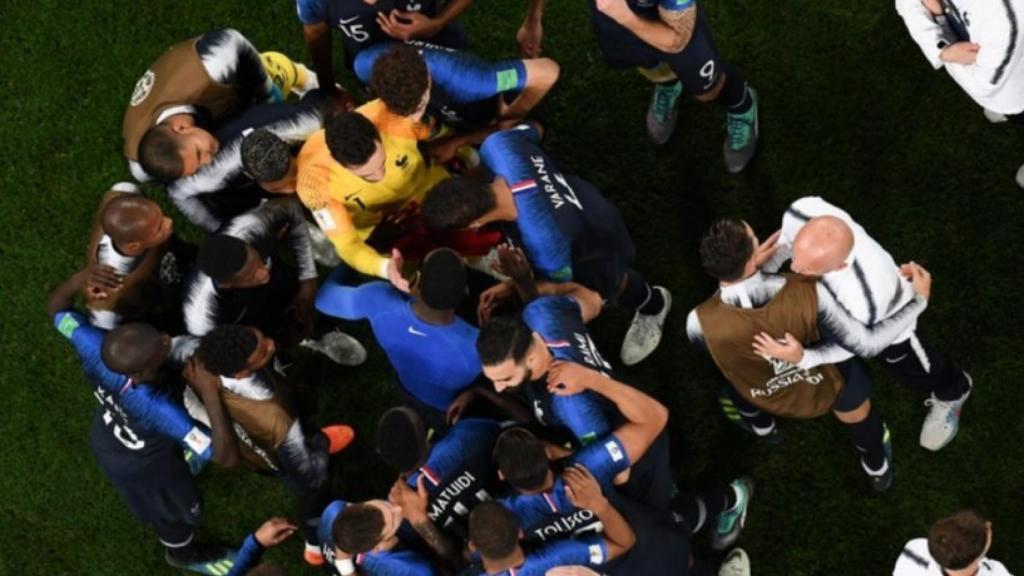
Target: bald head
135, 222
822, 246
134, 348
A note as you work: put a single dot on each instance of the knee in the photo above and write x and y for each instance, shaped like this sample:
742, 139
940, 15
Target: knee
713, 92
856, 415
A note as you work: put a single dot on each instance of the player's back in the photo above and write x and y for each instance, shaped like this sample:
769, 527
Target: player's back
434, 362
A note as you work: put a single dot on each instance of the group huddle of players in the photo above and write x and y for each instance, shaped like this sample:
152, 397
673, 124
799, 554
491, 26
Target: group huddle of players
478, 263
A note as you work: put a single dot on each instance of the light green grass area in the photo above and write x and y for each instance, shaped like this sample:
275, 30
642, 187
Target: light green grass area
850, 110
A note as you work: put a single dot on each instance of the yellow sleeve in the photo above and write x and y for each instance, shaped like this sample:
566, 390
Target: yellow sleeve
313, 188
337, 225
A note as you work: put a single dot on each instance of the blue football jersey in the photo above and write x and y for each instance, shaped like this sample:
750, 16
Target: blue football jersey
567, 229
559, 322
135, 413
385, 563
460, 473
550, 515
591, 551
464, 87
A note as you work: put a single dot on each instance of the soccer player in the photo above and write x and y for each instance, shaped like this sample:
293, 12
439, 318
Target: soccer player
668, 42
138, 433
825, 242
210, 76
432, 350
976, 42
517, 353
468, 94
566, 228
440, 482
363, 24
271, 437
133, 237
773, 306
366, 535
239, 279
495, 534
363, 165
221, 190
628, 459
956, 546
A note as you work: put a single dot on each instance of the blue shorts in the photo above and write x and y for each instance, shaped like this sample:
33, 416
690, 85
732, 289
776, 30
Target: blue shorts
697, 65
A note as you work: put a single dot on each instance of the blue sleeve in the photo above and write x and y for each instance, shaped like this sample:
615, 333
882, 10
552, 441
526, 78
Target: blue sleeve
248, 556
367, 57
160, 413
605, 459
311, 11
88, 343
584, 551
402, 563
355, 302
156, 412
583, 414
468, 78
458, 446
676, 5
507, 154
555, 318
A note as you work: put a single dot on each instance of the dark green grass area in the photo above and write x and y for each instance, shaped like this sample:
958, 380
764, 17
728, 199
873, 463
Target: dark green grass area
849, 110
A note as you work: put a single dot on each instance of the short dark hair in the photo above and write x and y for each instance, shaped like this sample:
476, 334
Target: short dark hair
725, 249
957, 540
351, 138
400, 78
503, 338
358, 528
159, 154
265, 156
521, 458
457, 202
442, 283
221, 257
493, 530
226, 349
402, 439
129, 347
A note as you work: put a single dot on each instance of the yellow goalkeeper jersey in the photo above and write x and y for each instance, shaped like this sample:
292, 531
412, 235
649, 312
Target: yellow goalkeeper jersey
345, 206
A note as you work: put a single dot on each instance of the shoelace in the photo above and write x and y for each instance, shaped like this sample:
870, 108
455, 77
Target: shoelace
664, 99
947, 406
738, 128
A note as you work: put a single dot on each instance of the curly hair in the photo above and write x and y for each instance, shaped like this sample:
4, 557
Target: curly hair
225, 350
400, 78
265, 156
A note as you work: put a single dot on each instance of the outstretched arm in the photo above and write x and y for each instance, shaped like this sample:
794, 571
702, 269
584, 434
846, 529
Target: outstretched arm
585, 492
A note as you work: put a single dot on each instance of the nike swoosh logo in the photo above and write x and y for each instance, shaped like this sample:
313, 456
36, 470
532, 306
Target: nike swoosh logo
344, 21
895, 360
416, 332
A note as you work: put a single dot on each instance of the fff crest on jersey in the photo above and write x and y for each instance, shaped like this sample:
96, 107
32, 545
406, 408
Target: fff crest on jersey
143, 87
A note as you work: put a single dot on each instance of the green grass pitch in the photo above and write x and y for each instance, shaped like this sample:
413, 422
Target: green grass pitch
849, 110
